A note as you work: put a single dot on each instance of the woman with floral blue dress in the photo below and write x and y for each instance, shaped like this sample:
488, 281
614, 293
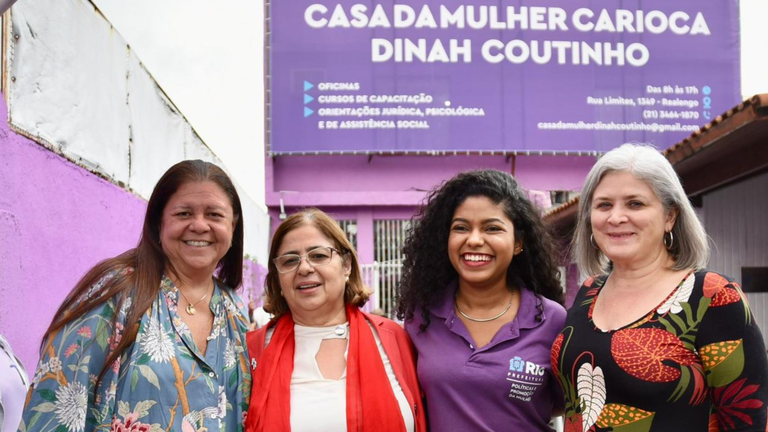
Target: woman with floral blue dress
151, 340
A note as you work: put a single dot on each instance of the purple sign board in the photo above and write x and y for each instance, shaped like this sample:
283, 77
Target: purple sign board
565, 76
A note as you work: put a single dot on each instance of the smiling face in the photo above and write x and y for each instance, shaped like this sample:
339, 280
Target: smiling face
481, 242
196, 229
628, 220
313, 294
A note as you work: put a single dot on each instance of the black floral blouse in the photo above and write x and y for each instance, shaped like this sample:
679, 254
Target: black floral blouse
697, 362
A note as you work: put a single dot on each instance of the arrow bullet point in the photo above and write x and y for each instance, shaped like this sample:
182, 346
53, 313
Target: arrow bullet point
308, 112
308, 85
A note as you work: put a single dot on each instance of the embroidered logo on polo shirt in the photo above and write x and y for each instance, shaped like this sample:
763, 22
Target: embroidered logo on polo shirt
526, 377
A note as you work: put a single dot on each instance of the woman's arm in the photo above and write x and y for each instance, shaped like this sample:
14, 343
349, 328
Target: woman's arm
732, 351
63, 396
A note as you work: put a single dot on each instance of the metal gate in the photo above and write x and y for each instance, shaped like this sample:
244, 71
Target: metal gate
383, 279
383, 276
350, 229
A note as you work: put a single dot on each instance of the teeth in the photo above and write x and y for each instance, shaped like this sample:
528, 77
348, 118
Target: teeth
477, 258
307, 286
197, 243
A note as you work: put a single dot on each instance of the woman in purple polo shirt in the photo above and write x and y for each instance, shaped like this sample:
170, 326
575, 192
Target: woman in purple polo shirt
482, 302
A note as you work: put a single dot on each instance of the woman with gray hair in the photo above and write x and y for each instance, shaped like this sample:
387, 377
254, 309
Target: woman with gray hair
654, 342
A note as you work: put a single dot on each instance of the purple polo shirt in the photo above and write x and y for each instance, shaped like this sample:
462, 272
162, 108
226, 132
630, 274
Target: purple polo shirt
506, 385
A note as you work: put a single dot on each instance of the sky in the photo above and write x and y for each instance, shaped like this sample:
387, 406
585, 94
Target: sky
208, 57
754, 54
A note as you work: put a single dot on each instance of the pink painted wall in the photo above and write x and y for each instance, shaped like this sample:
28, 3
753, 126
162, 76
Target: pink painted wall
56, 221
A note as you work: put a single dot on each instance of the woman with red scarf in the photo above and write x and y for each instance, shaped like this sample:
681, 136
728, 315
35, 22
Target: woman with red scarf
322, 364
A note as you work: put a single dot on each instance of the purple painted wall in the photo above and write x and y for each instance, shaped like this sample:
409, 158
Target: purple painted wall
390, 187
56, 221
402, 180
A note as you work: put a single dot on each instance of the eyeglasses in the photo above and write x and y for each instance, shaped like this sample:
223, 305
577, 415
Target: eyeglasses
316, 257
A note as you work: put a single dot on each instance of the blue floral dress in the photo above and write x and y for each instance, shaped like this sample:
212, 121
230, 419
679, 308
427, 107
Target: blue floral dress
163, 382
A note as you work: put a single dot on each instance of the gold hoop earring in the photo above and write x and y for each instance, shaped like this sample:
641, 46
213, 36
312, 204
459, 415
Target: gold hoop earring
592, 241
671, 240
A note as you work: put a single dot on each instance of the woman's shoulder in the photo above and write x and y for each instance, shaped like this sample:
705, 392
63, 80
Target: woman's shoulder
712, 277
255, 335
385, 323
594, 281
102, 297
553, 310
591, 285
233, 301
714, 284
103, 281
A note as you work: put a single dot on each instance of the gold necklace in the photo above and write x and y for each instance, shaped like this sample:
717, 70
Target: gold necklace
191, 306
482, 320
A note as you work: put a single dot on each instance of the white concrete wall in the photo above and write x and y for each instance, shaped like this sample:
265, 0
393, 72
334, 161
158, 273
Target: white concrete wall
209, 59
75, 85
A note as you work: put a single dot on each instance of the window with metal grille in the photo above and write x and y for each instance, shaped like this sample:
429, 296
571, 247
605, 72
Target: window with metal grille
388, 239
350, 229
754, 279
383, 276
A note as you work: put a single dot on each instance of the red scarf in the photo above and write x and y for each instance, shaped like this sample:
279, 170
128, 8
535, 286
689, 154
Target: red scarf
371, 403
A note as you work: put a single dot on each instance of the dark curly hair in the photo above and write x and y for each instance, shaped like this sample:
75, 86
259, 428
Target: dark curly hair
427, 269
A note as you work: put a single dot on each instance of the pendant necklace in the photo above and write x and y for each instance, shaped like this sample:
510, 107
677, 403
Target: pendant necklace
482, 320
191, 306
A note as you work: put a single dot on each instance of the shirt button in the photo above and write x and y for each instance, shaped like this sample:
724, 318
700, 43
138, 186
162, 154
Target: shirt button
471, 346
211, 374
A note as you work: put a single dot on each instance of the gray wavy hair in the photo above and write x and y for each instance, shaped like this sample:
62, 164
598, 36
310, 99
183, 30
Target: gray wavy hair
690, 248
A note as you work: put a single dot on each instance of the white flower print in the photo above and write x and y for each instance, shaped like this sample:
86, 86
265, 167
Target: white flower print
229, 355
181, 326
126, 305
215, 331
157, 343
55, 364
112, 391
683, 293
71, 405
590, 384
36, 379
222, 402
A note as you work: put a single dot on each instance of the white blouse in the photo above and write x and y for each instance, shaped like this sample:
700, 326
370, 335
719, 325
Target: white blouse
319, 404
